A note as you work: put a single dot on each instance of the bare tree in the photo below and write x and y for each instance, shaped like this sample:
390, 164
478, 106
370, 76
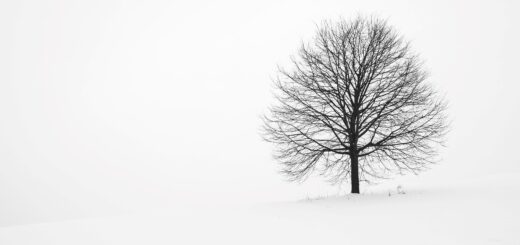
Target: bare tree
356, 103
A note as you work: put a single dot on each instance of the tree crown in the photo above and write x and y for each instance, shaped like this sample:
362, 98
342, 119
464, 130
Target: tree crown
356, 91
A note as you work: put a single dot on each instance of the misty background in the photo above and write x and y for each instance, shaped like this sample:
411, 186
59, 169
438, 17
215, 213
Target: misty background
109, 107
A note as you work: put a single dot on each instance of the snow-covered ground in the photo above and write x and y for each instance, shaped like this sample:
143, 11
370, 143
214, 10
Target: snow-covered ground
479, 211
137, 122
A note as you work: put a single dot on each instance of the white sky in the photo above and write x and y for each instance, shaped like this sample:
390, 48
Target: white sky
109, 106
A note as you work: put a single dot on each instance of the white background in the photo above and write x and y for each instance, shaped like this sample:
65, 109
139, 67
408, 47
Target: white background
109, 107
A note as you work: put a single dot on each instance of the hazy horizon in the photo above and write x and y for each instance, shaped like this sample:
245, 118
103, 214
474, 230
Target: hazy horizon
119, 106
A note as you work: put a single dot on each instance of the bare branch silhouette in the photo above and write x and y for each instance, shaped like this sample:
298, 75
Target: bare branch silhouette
356, 104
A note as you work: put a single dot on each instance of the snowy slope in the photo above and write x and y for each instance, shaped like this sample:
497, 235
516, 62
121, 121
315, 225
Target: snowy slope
482, 211
137, 122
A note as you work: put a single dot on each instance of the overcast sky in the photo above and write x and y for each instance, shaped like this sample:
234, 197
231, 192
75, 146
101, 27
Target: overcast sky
110, 106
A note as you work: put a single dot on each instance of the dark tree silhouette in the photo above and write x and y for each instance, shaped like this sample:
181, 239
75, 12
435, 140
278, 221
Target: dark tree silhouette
355, 104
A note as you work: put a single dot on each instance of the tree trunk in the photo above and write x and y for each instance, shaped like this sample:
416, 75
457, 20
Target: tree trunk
354, 173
